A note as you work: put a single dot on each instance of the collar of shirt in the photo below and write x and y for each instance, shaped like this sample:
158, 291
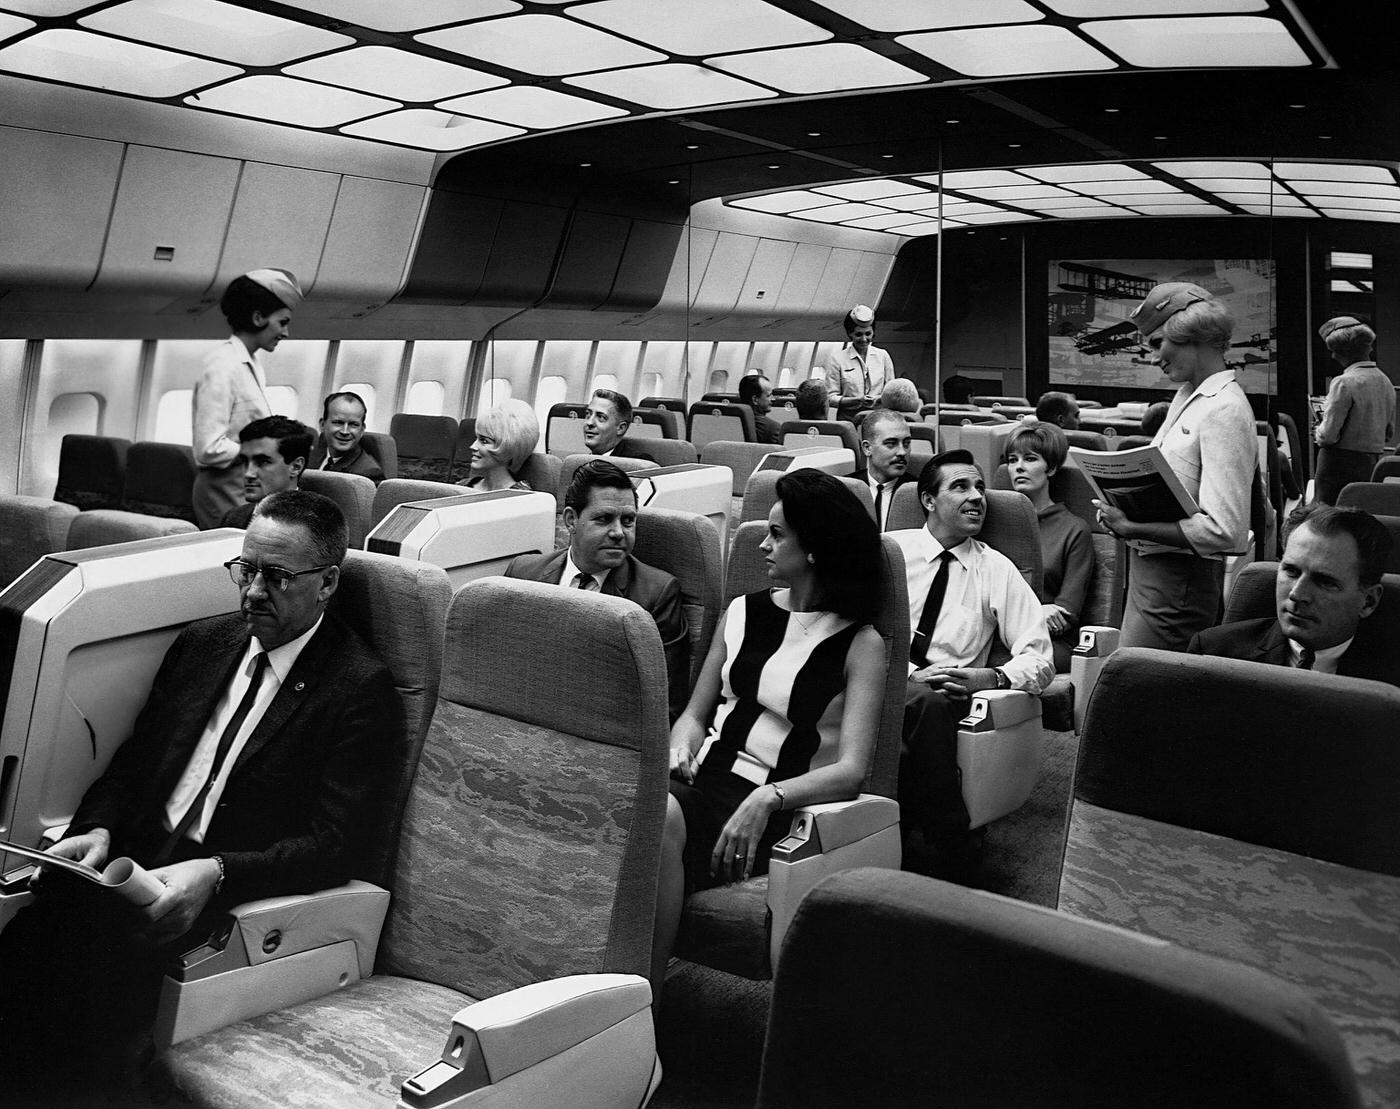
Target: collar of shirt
966, 553
341, 461
572, 571
248, 358
280, 660
1185, 395
1324, 661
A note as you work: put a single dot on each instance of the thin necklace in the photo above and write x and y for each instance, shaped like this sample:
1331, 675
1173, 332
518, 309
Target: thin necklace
806, 625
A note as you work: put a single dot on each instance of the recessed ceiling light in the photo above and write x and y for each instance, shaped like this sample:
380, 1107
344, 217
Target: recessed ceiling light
1014, 145
692, 146
585, 165
814, 134
886, 155
952, 121
1297, 105
1160, 138
674, 181
775, 165
1110, 111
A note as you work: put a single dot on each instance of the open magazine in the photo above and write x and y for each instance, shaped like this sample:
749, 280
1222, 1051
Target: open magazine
122, 876
1138, 482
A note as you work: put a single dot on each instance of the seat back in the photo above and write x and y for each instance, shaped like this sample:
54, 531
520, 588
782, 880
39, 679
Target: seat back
687, 546
741, 459
670, 404
91, 471
746, 573
1278, 757
1002, 402
531, 836
353, 493
1089, 440
672, 452
720, 398
160, 480
993, 1002
1297, 456
382, 448
1068, 486
1253, 597
424, 444
761, 494
1387, 469
1010, 527
541, 471
652, 423
393, 492
103, 526
563, 429
399, 608
822, 433
712, 420
30, 528
1380, 498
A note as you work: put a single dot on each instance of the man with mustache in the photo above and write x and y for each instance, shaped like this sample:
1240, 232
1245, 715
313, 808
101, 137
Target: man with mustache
255, 769
964, 596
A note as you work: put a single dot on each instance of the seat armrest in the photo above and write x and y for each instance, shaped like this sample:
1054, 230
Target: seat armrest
994, 709
1097, 642
523, 1028
827, 826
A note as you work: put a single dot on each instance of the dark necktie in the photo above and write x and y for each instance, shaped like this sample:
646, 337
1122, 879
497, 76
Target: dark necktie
240, 714
583, 581
879, 502
1306, 658
918, 649
865, 372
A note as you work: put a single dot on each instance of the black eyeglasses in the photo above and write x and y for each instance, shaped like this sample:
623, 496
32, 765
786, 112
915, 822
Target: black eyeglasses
242, 573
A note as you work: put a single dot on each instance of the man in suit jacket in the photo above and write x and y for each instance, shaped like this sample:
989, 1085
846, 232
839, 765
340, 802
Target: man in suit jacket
605, 426
1329, 582
273, 451
600, 513
885, 442
756, 391
339, 446
254, 769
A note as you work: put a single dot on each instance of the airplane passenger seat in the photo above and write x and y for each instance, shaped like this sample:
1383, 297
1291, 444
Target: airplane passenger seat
392, 492
993, 1002
671, 410
424, 445
761, 494
738, 928
541, 472
823, 433
686, 545
91, 471
741, 458
574, 461
1380, 498
524, 889
1253, 820
1002, 402
30, 528
353, 495
1089, 440
709, 421
381, 447
160, 480
103, 526
1387, 469
563, 429
672, 452
652, 423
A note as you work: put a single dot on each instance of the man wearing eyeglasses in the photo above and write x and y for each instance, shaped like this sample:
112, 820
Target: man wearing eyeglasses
256, 768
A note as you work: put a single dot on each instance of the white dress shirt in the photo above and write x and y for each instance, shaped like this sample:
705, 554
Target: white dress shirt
1325, 661
986, 594
279, 664
571, 571
883, 502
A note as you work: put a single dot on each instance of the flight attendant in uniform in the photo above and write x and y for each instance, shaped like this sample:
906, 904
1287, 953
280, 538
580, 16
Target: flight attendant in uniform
230, 393
857, 372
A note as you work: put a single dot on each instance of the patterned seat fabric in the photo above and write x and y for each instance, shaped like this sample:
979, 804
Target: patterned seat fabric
425, 445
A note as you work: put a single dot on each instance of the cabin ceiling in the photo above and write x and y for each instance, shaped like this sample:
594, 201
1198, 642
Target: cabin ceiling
595, 97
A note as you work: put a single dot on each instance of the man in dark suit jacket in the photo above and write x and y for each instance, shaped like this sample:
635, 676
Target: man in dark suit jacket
885, 442
1329, 582
273, 450
605, 427
339, 447
221, 803
600, 513
756, 391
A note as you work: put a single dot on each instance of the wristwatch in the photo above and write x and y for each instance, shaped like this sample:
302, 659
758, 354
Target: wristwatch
1003, 682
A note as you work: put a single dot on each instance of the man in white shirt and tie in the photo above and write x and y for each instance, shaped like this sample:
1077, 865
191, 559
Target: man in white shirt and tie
600, 515
964, 599
885, 442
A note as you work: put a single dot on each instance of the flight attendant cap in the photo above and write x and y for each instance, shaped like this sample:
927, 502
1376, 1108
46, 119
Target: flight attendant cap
862, 314
1337, 323
1164, 302
280, 283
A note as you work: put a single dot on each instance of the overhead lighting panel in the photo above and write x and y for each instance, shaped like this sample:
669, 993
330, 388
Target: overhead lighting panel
533, 107
382, 71
974, 178
921, 15
547, 45
287, 100
840, 213
880, 223
870, 190
1346, 188
714, 27
215, 29
430, 130
1103, 9
48, 8
673, 85
783, 203
11, 25
1018, 192
1325, 171
1008, 51
1354, 213
1095, 171
1192, 43
1350, 260
114, 65
405, 15
827, 67
1215, 169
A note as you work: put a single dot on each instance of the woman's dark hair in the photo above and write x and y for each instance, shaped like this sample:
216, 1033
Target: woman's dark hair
836, 530
242, 298
1046, 439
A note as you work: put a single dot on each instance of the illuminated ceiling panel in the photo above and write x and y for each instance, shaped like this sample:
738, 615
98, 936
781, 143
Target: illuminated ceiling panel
1118, 9
675, 85
828, 67
1350, 260
1018, 192
1006, 51
784, 202
840, 213
1106, 171
870, 190
533, 107
47, 7
287, 100
1327, 172
694, 29
215, 29
385, 72
547, 45
406, 15
1223, 40
880, 223
1352, 213
921, 15
1345, 188
1216, 169
973, 179
11, 25
99, 62
430, 130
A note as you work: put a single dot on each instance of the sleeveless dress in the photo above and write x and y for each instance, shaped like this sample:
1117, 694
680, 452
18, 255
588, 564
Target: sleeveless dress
783, 692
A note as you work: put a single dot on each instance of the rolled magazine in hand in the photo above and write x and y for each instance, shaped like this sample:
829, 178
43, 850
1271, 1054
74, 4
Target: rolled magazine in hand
122, 876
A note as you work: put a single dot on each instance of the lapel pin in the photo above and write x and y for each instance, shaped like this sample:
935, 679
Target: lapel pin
300, 686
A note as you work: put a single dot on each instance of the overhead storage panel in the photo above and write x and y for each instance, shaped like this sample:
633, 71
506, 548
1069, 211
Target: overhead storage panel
589, 264
168, 225
450, 260
804, 274
646, 262
55, 199
523, 255
724, 276
370, 237
693, 251
869, 281
280, 218
767, 272
833, 290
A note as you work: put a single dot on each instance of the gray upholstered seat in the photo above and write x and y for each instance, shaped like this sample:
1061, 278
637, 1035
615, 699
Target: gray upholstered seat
102, 526
160, 480
393, 492
424, 445
761, 494
1380, 498
686, 546
30, 528
529, 851
353, 493
91, 471
928, 993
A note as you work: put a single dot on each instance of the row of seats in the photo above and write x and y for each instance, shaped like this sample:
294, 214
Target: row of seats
98, 473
